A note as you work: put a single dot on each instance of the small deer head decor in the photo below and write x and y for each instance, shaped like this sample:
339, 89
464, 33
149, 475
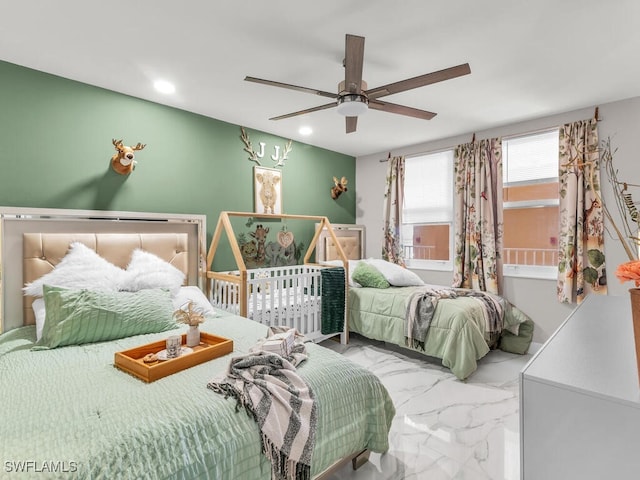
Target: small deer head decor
123, 161
340, 186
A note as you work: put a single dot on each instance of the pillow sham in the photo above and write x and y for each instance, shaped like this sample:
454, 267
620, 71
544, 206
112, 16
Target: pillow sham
368, 276
76, 317
146, 270
185, 295
81, 267
395, 274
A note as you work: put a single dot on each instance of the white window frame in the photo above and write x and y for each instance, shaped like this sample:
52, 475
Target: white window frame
435, 265
530, 271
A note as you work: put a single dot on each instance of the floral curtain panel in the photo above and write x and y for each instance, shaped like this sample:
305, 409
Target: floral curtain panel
478, 219
581, 266
393, 200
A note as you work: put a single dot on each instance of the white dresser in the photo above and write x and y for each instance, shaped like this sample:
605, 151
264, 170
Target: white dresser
580, 398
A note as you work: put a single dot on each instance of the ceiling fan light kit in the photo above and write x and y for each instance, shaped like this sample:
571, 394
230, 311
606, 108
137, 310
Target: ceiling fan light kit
353, 97
352, 104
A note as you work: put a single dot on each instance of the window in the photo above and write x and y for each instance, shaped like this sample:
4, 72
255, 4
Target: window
427, 213
531, 205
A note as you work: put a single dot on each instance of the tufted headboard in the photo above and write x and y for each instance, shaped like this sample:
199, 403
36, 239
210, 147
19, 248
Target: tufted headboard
350, 237
33, 241
43, 251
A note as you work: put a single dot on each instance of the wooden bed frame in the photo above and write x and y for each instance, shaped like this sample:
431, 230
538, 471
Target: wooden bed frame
32, 242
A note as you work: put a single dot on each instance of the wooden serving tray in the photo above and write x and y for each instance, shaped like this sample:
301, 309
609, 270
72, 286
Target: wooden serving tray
211, 346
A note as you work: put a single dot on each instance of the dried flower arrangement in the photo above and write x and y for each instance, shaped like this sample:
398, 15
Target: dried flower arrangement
627, 233
189, 315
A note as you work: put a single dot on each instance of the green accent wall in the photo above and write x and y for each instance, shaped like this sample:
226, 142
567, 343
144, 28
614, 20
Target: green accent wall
55, 138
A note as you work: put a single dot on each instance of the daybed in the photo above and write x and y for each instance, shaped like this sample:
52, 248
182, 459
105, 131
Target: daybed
69, 411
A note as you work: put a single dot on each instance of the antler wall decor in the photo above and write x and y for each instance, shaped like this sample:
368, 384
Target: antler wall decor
123, 161
256, 156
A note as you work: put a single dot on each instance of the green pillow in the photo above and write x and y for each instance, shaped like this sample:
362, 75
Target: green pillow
369, 276
74, 317
517, 343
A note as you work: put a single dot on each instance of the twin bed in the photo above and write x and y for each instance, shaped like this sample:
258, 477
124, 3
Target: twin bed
68, 410
458, 335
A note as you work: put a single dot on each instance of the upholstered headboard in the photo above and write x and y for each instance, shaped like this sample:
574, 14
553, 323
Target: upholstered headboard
43, 251
33, 241
350, 237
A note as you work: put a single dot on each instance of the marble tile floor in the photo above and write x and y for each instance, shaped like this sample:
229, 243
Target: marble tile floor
444, 429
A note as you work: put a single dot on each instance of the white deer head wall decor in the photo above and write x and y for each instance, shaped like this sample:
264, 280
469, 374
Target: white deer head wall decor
123, 161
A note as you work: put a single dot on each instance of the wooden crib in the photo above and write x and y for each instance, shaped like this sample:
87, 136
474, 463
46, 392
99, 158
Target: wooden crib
291, 296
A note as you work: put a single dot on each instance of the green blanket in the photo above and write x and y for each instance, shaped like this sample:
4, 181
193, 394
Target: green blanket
333, 297
71, 409
457, 333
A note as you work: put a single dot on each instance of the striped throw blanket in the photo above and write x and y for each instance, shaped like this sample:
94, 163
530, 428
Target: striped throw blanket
283, 405
420, 309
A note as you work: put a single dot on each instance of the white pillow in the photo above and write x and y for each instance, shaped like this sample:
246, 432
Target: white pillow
146, 270
81, 267
395, 274
192, 294
40, 314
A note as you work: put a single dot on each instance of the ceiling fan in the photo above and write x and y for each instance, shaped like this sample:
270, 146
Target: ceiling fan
353, 97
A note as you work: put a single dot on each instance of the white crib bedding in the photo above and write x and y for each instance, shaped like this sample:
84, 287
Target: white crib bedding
280, 305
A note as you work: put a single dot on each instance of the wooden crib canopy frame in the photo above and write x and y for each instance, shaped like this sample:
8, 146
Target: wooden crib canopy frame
224, 226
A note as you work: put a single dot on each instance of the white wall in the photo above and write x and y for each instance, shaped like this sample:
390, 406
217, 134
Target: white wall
619, 120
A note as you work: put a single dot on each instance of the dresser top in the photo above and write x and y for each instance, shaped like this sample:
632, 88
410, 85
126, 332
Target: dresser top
593, 352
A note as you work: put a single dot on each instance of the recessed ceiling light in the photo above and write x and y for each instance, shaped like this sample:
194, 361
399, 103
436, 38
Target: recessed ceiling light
305, 131
163, 86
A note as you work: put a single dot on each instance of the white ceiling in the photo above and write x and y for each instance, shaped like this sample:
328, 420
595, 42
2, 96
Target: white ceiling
528, 58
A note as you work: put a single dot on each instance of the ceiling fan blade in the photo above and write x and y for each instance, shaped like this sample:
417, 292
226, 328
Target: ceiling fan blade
401, 110
302, 112
353, 61
351, 123
419, 81
292, 87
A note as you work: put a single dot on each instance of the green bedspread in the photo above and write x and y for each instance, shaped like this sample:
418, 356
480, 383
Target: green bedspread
71, 409
456, 334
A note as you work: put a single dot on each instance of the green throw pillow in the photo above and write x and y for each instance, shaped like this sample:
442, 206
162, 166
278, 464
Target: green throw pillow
518, 343
369, 276
74, 317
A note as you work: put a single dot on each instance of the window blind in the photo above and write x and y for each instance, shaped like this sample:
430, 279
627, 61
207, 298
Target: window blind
428, 188
530, 157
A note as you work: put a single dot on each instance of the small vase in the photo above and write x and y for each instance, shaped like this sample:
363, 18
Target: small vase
193, 336
635, 315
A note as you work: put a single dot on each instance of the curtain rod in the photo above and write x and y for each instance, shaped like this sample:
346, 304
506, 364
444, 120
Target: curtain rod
596, 115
